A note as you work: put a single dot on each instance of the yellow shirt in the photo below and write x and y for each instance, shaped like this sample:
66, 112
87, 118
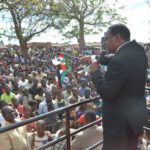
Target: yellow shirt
7, 98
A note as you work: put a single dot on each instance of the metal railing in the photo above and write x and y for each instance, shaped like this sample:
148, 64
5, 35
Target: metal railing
68, 134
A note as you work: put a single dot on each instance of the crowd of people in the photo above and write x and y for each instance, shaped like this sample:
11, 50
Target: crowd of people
28, 88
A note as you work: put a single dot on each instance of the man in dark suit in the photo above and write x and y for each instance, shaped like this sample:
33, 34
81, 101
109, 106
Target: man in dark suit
122, 90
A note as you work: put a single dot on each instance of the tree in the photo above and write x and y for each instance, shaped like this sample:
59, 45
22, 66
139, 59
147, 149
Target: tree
25, 19
83, 17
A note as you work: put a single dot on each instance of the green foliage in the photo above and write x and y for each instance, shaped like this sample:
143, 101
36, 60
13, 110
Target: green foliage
86, 16
25, 18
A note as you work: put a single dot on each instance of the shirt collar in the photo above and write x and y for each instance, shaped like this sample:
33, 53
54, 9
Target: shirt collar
6, 123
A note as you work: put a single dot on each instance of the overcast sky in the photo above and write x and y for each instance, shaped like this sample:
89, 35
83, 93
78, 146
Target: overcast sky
138, 18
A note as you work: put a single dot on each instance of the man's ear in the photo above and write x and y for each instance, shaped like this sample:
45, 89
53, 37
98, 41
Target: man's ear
117, 36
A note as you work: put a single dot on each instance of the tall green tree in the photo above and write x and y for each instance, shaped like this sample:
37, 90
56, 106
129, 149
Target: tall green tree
83, 17
25, 19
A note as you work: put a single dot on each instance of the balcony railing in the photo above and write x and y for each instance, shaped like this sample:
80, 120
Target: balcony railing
68, 134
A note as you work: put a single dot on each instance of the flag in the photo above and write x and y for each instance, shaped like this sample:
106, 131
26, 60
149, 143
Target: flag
61, 60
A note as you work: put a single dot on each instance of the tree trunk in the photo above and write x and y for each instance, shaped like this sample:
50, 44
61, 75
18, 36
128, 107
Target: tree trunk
23, 46
17, 24
81, 36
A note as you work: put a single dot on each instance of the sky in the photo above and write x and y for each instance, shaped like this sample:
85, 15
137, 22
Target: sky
138, 21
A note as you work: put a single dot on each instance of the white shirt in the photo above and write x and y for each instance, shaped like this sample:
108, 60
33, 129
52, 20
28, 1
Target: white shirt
23, 83
43, 107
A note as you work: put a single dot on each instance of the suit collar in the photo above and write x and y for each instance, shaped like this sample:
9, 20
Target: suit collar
126, 45
122, 45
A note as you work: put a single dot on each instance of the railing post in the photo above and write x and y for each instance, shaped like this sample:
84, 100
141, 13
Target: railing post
68, 129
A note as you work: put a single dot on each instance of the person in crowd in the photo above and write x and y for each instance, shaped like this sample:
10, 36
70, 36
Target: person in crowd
27, 113
60, 100
73, 118
24, 97
142, 142
72, 100
33, 90
39, 97
83, 82
44, 85
147, 92
81, 109
75, 94
74, 83
41, 136
51, 82
2, 86
7, 95
43, 106
15, 139
122, 89
29, 81
90, 136
2, 104
61, 103
81, 117
15, 88
40, 74
34, 107
62, 131
15, 105
23, 82
52, 121
67, 93
87, 93
55, 91
93, 90
97, 104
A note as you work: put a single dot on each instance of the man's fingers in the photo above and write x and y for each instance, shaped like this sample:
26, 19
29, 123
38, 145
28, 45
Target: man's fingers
86, 59
94, 66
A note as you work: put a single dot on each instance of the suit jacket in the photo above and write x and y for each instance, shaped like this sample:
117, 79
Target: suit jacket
122, 90
87, 138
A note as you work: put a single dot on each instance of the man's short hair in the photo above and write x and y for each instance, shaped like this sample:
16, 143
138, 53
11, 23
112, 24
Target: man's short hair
32, 103
90, 116
120, 29
41, 122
